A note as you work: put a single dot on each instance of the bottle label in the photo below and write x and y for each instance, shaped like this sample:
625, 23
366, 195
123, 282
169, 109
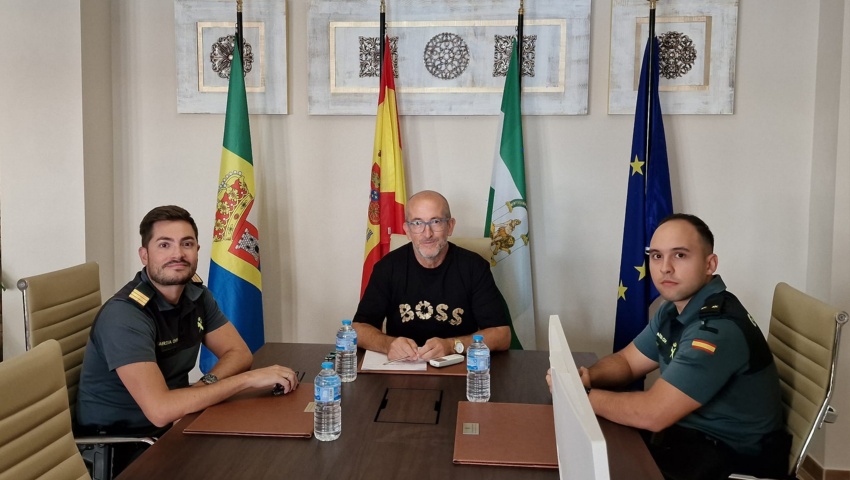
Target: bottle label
326, 394
477, 364
346, 344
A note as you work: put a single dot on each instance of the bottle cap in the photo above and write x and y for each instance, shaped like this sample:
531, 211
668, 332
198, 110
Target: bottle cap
327, 365
478, 338
346, 322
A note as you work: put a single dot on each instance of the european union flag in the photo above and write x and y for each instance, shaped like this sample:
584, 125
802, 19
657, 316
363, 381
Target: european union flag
648, 202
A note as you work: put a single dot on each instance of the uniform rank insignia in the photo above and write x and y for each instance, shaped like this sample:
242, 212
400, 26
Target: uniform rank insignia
200, 324
139, 297
704, 346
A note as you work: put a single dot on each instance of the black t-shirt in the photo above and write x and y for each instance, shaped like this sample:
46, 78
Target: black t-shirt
457, 298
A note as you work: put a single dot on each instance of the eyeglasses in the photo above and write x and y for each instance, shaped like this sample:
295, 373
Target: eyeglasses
436, 224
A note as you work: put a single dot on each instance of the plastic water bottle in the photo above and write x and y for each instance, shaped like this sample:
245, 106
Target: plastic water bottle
327, 416
478, 370
346, 352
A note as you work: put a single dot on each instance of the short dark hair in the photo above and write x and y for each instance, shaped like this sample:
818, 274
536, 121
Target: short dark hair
164, 213
702, 229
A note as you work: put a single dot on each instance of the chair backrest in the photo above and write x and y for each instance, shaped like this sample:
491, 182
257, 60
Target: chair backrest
803, 336
61, 305
479, 245
35, 421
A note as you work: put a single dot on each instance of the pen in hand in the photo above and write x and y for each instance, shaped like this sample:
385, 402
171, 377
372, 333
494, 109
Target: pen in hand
278, 388
396, 360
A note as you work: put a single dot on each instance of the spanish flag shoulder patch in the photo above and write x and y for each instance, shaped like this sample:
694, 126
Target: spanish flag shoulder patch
703, 345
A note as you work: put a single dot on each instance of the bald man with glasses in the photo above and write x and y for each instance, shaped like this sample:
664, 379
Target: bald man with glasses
432, 294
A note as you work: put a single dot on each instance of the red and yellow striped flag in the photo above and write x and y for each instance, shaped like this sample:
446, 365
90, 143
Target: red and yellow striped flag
387, 195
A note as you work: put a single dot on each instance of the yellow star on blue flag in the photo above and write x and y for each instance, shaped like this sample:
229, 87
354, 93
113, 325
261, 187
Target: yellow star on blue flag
648, 202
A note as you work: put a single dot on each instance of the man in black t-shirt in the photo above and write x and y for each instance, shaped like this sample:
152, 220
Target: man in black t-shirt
433, 294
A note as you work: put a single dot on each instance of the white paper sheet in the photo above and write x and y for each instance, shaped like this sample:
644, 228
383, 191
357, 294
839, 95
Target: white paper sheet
378, 361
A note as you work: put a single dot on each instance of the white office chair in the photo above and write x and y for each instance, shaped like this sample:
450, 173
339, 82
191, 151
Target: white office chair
61, 306
35, 438
804, 335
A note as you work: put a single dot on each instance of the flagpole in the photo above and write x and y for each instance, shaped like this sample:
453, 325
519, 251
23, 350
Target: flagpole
239, 39
382, 22
519, 23
649, 83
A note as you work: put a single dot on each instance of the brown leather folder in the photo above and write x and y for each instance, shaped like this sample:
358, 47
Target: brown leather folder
259, 413
508, 434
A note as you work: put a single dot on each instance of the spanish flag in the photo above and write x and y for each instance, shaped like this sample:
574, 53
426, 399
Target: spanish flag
387, 195
235, 258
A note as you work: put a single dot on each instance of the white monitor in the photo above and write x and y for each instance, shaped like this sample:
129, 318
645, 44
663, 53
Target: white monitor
582, 453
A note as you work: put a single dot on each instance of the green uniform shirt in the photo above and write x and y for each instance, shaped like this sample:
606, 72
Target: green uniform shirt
709, 362
124, 333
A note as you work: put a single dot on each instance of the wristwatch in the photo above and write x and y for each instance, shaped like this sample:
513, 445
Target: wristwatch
458, 345
209, 379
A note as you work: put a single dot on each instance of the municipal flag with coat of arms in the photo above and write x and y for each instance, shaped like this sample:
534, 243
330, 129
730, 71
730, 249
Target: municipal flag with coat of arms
235, 279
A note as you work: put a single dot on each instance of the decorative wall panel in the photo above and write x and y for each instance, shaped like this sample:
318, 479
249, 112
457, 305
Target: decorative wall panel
204, 37
450, 57
697, 53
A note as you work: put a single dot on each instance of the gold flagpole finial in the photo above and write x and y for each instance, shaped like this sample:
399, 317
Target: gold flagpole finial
383, 6
521, 7
238, 5
652, 4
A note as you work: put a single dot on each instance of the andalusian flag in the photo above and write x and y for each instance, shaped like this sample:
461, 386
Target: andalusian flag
235, 259
387, 195
648, 201
507, 215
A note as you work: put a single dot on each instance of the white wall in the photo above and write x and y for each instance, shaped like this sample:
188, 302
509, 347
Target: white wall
837, 436
313, 174
42, 209
754, 176
96, 38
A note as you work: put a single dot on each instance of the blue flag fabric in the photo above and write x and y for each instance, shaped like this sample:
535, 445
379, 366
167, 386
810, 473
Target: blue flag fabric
647, 203
235, 280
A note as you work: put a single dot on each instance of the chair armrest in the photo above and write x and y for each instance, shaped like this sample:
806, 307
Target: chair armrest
104, 439
831, 414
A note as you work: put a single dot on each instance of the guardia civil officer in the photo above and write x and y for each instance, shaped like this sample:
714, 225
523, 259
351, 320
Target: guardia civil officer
716, 407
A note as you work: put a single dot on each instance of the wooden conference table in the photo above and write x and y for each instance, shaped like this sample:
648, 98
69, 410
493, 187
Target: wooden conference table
368, 449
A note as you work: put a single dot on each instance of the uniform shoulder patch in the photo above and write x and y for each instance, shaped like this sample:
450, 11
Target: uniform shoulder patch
703, 345
197, 280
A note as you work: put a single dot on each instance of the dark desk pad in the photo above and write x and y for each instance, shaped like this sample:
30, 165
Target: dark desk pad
410, 405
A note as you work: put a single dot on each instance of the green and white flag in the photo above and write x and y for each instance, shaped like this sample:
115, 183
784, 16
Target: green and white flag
507, 215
